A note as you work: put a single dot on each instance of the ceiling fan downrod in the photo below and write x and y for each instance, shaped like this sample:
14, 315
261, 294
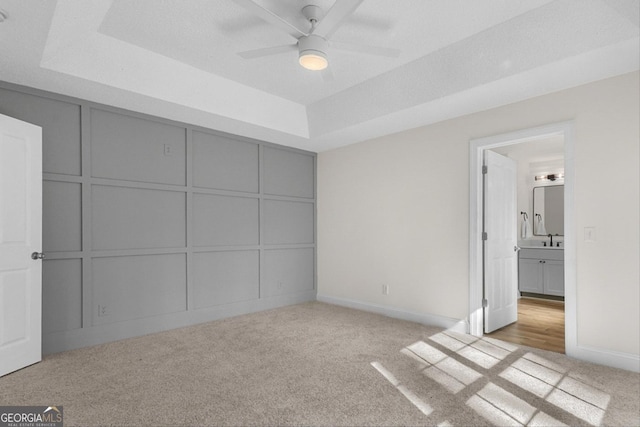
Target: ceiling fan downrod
312, 13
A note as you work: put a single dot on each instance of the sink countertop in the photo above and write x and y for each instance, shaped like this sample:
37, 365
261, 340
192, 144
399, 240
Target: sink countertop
537, 244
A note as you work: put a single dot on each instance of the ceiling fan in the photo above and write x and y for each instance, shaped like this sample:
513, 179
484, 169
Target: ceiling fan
312, 45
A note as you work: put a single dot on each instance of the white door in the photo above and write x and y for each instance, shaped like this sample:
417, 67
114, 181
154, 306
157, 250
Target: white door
20, 236
500, 246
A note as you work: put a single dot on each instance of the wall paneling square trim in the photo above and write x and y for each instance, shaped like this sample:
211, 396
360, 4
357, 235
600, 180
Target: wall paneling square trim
150, 224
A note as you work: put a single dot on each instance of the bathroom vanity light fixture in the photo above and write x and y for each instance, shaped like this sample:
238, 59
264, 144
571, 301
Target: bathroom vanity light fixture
550, 177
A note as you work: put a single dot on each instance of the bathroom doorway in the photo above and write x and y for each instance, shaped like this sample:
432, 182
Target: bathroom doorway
541, 151
540, 324
540, 169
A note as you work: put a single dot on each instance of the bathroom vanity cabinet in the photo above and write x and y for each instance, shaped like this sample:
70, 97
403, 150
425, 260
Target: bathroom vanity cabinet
541, 271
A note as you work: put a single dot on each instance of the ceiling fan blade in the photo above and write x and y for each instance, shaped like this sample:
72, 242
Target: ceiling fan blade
369, 50
334, 17
327, 75
370, 23
266, 51
270, 17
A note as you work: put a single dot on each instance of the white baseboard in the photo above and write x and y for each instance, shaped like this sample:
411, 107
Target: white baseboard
84, 337
425, 319
629, 362
615, 359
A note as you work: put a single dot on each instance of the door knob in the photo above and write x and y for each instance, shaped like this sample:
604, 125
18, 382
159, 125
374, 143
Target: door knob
37, 255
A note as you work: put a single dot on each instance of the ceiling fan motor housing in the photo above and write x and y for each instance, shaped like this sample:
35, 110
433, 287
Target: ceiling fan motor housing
313, 52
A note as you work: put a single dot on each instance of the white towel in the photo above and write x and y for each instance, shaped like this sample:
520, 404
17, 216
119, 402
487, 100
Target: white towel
525, 230
540, 229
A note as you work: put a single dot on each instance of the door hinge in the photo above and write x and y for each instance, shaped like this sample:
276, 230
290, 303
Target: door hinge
485, 303
484, 169
484, 235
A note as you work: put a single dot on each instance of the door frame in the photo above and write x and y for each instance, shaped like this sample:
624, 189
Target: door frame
476, 153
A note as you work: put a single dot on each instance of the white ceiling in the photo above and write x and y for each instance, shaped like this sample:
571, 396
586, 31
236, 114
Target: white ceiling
178, 59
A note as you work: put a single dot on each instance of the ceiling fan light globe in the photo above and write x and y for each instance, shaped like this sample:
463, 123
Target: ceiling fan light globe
312, 52
313, 60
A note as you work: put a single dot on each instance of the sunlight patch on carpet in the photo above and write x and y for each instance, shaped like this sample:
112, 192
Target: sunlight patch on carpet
411, 396
530, 372
483, 353
551, 382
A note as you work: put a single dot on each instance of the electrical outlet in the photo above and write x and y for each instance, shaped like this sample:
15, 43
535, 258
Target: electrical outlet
168, 150
385, 289
102, 310
590, 234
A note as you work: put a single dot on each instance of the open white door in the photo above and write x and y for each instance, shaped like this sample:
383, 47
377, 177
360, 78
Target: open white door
500, 246
20, 237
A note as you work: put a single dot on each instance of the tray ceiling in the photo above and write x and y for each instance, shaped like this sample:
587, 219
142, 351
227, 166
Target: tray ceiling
178, 59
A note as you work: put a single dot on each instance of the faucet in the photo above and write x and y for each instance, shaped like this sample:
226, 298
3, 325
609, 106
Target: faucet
550, 236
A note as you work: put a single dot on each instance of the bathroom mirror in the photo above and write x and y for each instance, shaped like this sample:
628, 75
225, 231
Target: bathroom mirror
548, 210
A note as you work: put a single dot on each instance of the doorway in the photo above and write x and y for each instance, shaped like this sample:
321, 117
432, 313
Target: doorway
476, 290
540, 324
540, 294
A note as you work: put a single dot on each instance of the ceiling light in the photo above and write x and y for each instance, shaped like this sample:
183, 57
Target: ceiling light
314, 61
312, 54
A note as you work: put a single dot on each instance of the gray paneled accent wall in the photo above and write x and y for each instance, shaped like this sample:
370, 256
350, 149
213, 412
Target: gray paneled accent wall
150, 224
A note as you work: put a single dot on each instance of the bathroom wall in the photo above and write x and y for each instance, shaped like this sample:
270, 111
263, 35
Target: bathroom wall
537, 157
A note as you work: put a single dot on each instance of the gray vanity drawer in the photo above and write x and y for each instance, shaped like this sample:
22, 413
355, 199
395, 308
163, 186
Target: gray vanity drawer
538, 253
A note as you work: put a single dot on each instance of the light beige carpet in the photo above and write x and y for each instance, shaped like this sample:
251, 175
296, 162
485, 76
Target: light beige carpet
318, 364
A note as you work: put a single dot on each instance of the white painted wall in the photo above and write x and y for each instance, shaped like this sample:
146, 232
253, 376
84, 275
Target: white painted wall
395, 210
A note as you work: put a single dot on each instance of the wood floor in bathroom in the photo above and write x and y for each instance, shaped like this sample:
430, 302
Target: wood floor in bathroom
540, 324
